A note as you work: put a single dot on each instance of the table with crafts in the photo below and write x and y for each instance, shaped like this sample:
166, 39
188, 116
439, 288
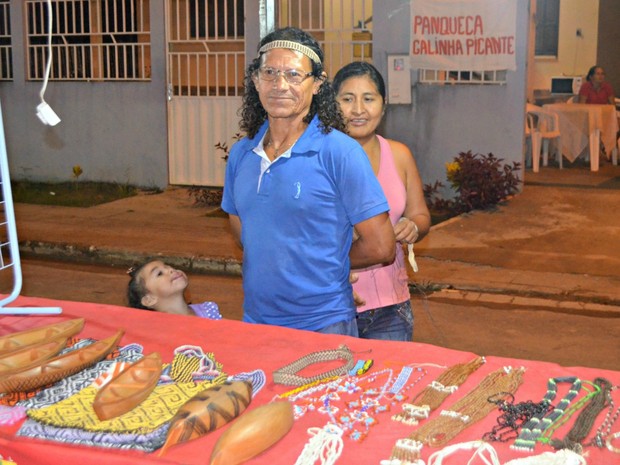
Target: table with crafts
357, 418
583, 127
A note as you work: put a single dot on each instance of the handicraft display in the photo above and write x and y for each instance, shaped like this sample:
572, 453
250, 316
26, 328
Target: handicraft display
135, 402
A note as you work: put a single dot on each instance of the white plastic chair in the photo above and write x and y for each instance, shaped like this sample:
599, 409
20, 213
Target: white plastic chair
542, 126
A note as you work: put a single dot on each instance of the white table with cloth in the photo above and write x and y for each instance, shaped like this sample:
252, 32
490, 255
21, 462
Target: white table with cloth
582, 129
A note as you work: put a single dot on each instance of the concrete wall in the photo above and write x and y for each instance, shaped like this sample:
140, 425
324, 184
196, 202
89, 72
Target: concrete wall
116, 131
445, 120
608, 50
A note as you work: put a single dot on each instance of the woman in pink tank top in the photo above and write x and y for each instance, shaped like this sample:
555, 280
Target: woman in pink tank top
386, 312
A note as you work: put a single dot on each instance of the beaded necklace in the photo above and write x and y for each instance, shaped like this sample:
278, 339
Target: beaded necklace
436, 392
533, 429
288, 374
585, 421
604, 430
314, 398
513, 417
352, 402
465, 412
357, 418
471, 408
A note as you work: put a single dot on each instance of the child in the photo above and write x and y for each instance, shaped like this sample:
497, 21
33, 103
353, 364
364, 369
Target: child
159, 287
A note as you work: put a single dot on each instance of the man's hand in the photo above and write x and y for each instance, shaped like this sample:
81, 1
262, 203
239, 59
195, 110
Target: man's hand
353, 277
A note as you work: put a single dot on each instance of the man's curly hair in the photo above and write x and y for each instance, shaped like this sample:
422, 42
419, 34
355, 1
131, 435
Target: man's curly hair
252, 113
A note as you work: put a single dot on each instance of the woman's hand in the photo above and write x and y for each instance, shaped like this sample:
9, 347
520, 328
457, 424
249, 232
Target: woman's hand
406, 231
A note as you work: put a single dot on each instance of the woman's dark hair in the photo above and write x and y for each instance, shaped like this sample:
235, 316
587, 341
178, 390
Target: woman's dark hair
136, 288
324, 104
591, 72
359, 68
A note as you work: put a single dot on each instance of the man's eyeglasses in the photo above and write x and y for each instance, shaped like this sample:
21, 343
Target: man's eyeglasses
292, 76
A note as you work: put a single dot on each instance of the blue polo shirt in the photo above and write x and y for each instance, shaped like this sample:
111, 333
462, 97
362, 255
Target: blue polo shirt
297, 225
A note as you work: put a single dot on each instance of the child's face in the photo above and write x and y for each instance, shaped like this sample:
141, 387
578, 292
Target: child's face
161, 280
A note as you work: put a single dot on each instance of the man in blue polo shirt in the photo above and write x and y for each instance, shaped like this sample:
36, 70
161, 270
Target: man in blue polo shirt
295, 187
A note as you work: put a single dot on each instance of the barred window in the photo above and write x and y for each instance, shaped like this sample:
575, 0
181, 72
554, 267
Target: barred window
432, 76
6, 52
217, 19
547, 27
102, 40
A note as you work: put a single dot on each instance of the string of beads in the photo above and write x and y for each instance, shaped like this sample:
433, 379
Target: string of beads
586, 418
288, 374
435, 393
465, 412
470, 409
513, 417
604, 429
530, 432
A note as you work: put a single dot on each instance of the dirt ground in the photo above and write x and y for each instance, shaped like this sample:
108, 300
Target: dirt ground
514, 331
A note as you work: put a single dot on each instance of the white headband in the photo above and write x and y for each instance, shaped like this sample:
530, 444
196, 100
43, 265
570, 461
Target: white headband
292, 46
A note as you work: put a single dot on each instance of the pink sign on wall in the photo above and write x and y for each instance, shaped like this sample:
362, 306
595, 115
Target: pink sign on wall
474, 35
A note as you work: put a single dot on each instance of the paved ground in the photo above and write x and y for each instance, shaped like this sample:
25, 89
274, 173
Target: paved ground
489, 282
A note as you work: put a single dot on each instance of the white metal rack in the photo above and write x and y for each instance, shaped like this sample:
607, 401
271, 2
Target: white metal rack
9, 247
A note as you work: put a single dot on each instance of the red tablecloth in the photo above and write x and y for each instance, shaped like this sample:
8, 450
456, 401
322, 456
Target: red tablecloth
244, 347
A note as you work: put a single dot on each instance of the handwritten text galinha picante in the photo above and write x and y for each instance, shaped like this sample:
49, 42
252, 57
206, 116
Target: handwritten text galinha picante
457, 35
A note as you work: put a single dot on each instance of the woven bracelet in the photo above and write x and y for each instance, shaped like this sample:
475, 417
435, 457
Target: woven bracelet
288, 374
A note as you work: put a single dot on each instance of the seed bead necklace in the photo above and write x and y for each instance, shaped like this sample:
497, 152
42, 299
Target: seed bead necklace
573, 444
435, 393
539, 423
289, 374
585, 421
513, 417
465, 412
358, 415
604, 430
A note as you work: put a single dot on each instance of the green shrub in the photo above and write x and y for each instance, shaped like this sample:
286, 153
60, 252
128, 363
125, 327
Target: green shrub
479, 181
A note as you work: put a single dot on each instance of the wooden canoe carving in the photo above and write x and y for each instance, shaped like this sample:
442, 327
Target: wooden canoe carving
57, 368
253, 433
207, 411
129, 388
30, 356
17, 341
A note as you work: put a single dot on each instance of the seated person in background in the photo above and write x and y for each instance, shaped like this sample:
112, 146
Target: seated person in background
159, 287
596, 89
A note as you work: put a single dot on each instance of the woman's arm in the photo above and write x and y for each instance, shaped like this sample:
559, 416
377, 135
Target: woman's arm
417, 218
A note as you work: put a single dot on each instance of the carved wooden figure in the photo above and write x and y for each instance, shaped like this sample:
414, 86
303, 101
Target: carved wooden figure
57, 368
127, 390
253, 433
207, 411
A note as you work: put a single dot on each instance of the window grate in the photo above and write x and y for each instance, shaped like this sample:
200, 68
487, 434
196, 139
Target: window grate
433, 76
6, 49
343, 28
206, 45
100, 40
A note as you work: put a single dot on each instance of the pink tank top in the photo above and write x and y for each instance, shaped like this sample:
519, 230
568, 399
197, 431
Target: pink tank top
378, 285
